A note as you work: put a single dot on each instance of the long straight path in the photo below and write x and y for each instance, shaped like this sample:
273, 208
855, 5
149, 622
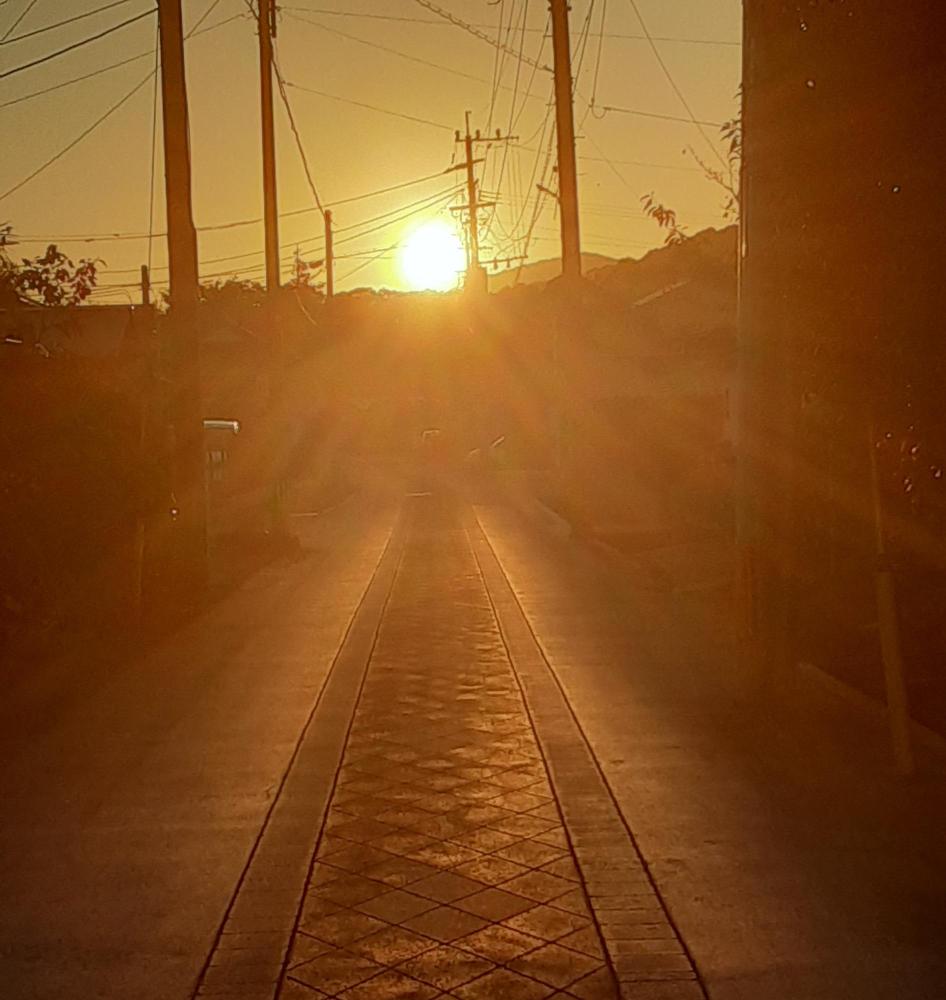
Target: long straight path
468, 847
446, 755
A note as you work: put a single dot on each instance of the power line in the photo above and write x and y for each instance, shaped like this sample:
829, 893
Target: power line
77, 45
203, 17
443, 196
402, 213
298, 138
367, 263
594, 83
499, 59
470, 29
666, 118
16, 22
102, 118
641, 163
512, 114
387, 48
62, 24
399, 53
113, 237
75, 142
193, 33
370, 107
154, 146
673, 83
375, 223
440, 23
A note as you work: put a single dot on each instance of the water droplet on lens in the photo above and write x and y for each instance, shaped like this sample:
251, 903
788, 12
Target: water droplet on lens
937, 471
896, 189
810, 84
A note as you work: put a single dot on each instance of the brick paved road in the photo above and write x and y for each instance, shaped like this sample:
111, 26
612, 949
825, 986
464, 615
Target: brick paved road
444, 869
419, 764
469, 848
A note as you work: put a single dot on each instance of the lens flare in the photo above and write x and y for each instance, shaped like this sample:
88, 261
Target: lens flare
433, 258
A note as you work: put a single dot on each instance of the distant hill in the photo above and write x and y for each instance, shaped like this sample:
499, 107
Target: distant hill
545, 270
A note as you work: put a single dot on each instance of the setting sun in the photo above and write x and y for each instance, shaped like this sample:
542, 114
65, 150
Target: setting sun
433, 257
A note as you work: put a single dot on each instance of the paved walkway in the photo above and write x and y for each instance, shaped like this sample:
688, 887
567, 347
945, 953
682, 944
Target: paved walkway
448, 864
410, 765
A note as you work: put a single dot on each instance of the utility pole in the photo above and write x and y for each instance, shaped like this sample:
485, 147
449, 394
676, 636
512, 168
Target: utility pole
329, 256
145, 285
267, 32
471, 202
183, 336
475, 274
182, 236
565, 133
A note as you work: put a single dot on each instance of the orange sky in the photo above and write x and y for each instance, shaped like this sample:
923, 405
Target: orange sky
396, 56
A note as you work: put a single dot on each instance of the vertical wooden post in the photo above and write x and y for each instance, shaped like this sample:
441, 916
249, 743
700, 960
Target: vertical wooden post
565, 133
888, 627
183, 336
329, 256
267, 31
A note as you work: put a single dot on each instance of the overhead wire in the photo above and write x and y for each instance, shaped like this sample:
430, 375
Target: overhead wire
203, 17
110, 237
370, 107
438, 22
116, 65
75, 142
91, 128
512, 113
18, 20
673, 83
499, 59
297, 136
597, 71
154, 146
63, 23
367, 263
542, 187
466, 26
375, 224
387, 48
76, 45
666, 118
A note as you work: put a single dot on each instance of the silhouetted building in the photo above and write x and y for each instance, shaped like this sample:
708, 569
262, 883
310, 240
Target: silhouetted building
842, 252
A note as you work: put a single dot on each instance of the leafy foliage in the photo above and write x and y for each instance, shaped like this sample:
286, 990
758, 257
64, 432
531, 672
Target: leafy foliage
666, 218
51, 279
727, 179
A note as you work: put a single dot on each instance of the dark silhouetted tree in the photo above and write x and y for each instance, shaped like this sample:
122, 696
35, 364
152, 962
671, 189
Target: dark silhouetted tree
51, 279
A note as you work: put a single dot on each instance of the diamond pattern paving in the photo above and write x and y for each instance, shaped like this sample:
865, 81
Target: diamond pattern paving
443, 869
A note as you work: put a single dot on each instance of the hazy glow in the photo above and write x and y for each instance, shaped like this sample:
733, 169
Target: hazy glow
433, 257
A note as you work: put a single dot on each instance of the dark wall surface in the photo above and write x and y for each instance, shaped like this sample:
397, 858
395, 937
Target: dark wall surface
842, 327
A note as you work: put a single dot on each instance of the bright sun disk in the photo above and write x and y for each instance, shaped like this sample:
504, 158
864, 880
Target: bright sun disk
433, 257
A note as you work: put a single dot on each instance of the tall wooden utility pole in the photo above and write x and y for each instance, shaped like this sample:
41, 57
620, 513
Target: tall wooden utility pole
329, 256
183, 339
471, 201
565, 131
267, 32
475, 273
182, 236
